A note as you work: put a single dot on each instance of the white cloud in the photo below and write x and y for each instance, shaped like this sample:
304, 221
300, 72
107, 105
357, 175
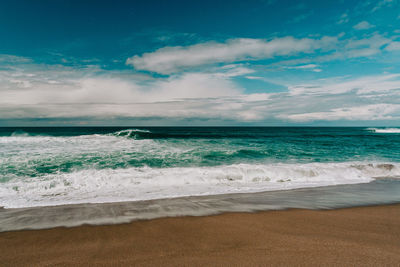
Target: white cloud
362, 85
233, 70
255, 78
118, 90
364, 112
394, 46
363, 25
4, 58
21, 83
312, 67
368, 46
303, 52
190, 95
171, 59
39, 91
202, 95
308, 66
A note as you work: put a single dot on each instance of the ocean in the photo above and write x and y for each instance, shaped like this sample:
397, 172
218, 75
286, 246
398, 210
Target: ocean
73, 165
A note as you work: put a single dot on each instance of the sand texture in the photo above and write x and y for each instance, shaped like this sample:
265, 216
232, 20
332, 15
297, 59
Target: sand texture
365, 236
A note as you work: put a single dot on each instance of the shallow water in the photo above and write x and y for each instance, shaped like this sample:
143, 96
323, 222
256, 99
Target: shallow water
378, 192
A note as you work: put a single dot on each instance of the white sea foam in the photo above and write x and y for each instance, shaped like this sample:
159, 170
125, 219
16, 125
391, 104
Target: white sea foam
114, 185
44, 146
385, 130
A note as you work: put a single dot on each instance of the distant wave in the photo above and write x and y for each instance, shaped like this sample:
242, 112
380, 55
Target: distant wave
131, 133
146, 134
141, 183
384, 130
160, 133
20, 133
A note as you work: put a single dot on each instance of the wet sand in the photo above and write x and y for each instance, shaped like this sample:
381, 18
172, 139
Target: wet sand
363, 236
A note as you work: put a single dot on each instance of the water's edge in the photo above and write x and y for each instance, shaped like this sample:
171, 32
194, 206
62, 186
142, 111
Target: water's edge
377, 192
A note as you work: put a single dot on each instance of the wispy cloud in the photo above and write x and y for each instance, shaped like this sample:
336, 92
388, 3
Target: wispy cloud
368, 46
394, 46
172, 59
344, 18
362, 85
301, 17
364, 112
382, 3
169, 60
312, 67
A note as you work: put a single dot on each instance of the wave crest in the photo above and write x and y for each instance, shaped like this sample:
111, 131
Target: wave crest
131, 133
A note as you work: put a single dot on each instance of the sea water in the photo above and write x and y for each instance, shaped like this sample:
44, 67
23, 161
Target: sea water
71, 165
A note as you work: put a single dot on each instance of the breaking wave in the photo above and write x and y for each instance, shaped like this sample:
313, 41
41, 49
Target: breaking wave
142, 183
133, 133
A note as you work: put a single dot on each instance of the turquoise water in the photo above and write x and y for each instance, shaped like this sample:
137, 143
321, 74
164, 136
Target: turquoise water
53, 166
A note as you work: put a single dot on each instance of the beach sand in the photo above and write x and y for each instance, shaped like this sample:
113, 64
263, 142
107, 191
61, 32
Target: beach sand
363, 236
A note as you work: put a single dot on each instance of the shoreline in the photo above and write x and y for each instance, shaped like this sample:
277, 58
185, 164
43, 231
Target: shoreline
350, 236
378, 192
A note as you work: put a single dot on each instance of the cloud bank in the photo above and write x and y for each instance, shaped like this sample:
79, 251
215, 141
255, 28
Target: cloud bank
36, 92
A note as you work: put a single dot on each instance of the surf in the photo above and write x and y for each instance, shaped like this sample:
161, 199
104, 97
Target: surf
144, 183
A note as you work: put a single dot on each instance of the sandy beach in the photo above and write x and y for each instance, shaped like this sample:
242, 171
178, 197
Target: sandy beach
353, 236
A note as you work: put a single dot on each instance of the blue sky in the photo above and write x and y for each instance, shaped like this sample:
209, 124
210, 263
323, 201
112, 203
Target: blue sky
259, 62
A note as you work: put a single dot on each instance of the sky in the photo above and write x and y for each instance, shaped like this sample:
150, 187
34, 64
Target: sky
200, 63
